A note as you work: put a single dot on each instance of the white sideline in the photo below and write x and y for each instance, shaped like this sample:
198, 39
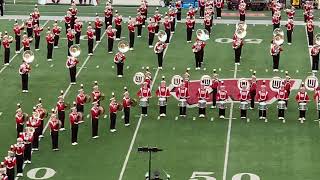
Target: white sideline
69, 87
13, 57
139, 122
226, 157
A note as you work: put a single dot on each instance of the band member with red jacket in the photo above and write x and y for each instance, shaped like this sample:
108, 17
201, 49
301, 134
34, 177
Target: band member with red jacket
131, 28
6, 41
182, 94
243, 97
310, 28
119, 60
151, 29
253, 90
126, 103
108, 15
61, 107
97, 26
287, 84
118, 26
70, 38
29, 25
24, 71
77, 28
167, 27
207, 23
10, 162
290, 27
26, 42
80, 100
157, 18
197, 49
37, 30
139, 21
42, 112
302, 98
74, 11
56, 30
263, 97
96, 93
113, 108
307, 7
67, 21
71, 64
17, 31
54, 124
34, 122
178, 5
35, 15
214, 87
219, 5
144, 94
95, 114
27, 137
242, 10
189, 25
222, 96
50, 41
315, 57
203, 95
276, 20
111, 35
201, 4
316, 98
90, 35
172, 15
275, 51
159, 49
237, 44
74, 118
20, 117
163, 93
19, 149
282, 95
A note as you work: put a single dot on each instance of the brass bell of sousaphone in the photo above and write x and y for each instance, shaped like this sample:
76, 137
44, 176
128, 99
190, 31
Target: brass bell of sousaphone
241, 33
28, 56
162, 36
317, 39
123, 46
202, 34
278, 36
75, 50
241, 24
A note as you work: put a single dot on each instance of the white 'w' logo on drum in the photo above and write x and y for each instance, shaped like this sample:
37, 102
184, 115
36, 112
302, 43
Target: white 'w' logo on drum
276, 84
312, 83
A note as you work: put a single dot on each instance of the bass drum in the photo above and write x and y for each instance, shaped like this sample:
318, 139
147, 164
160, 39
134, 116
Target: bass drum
162, 101
262, 106
143, 102
243, 105
202, 103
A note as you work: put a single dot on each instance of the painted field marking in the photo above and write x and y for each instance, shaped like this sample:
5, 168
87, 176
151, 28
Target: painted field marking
1, 113
105, 116
309, 49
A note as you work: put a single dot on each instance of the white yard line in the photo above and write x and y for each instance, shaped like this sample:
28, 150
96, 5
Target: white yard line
139, 123
309, 49
13, 57
1, 113
68, 89
226, 155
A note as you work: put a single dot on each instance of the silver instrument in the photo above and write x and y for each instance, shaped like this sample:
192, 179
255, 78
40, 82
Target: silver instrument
243, 105
143, 102
28, 56
262, 106
318, 106
202, 103
162, 36
302, 106
182, 103
162, 101
221, 104
281, 105
278, 36
75, 50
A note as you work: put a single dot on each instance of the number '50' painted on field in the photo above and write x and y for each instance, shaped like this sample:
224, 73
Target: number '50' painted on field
228, 40
209, 176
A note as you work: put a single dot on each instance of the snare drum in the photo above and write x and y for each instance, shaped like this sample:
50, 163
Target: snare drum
262, 106
243, 105
302, 106
162, 101
182, 103
202, 103
281, 105
318, 106
221, 104
143, 102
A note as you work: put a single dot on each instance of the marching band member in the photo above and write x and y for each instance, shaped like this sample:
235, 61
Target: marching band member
310, 15
189, 25
144, 94
243, 97
307, 7
74, 121
275, 53
316, 98
222, 96
72, 66
74, 11
242, 10
208, 23
192, 13
172, 15
17, 31
56, 30
276, 20
111, 34
253, 90
50, 41
291, 12
167, 27
315, 57
219, 5
80, 100
287, 85
151, 29
37, 30
131, 28
197, 49
54, 124
24, 71
178, 5
159, 50
290, 27
310, 27
35, 15
96, 94
34, 122
202, 96
118, 26
282, 95
119, 60
143, 9
182, 94
214, 87
95, 114
10, 162
163, 93
237, 44
27, 137
139, 21
302, 98
262, 98
77, 28
70, 38
19, 120
97, 26
113, 108
148, 77
26, 42
19, 149
42, 114
6, 41
61, 107
108, 15
3, 175
126, 103
29, 25
157, 18
186, 78
90, 35
67, 21
201, 5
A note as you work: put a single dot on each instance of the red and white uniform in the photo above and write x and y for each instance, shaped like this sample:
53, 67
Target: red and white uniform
111, 34
287, 86
71, 62
90, 34
56, 30
74, 118
191, 12
207, 21
119, 58
131, 27
118, 20
19, 119
67, 19
263, 96
201, 3
289, 26
242, 8
74, 11
314, 50
302, 97
17, 30
160, 47
182, 92
157, 17
222, 95
95, 112
218, 4
78, 26
310, 26
275, 49
198, 45
275, 19
54, 125
144, 92
6, 43
50, 38
70, 36
167, 24
126, 102
237, 42
29, 23
189, 23
139, 19
80, 99
98, 23
108, 12
24, 68
163, 92
291, 14
10, 162
19, 149
202, 93
27, 137
37, 31
282, 94
26, 42
243, 95
253, 87
96, 95
151, 28
61, 106
316, 96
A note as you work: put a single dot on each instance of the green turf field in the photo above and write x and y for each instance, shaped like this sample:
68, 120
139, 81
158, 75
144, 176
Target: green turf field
209, 148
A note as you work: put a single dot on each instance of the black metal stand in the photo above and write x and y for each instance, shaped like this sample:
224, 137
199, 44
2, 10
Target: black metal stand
150, 150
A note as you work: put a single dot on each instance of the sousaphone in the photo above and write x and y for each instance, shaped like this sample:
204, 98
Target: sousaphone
162, 36
28, 56
203, 34
75, 51
123, 46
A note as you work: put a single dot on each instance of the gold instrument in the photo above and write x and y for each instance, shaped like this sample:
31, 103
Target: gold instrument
317, 39
102, 97
67, 106
25, 117
120, 107
133, 102
10, 38
278, 36
28, 56
241, 33
45, 112
101, 109
87, 98
75, 50
202, 34
123, 46
162, 36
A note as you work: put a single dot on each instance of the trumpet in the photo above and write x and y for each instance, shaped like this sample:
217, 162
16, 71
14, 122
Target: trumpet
162, 36
28, 56
101, 109
75, 51
123, 46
